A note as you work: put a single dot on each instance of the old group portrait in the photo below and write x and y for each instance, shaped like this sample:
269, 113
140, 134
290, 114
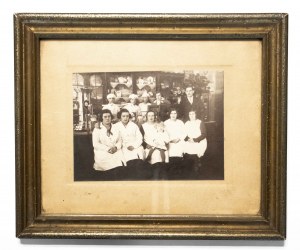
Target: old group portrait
150, 125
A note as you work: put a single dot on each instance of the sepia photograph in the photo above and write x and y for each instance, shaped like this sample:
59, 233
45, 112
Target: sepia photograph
144, 126
149, 125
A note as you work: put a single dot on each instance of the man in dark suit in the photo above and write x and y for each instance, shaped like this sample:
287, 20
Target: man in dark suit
190, 102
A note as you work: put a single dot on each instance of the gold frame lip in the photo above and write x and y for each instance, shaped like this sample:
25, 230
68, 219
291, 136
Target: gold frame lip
270, 28
144, 19
130, 16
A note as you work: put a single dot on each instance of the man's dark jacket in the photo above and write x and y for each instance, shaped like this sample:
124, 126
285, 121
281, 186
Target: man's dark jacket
185, 107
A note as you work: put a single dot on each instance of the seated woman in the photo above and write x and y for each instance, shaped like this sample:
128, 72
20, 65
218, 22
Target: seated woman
156, 139
176, 131
196, 143
131, 136
107, 144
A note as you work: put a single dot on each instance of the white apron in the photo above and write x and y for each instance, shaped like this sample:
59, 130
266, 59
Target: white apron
192, 129
157, 141
102, 143
131, 136
175, 130
133, 109
114, 109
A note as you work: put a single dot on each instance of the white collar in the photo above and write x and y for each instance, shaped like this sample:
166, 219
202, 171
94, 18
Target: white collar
103, 127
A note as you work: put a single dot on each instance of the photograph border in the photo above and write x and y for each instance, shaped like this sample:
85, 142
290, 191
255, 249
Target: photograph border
270, 29
208, 89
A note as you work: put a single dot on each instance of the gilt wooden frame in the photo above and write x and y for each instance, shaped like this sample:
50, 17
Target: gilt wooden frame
271, 29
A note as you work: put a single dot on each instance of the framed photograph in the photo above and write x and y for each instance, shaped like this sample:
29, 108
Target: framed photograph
151, 126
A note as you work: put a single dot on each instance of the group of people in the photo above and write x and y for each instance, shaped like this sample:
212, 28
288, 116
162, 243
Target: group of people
119, 141
138, 110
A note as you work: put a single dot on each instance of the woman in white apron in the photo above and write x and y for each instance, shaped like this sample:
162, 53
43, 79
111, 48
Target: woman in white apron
132, 107
114, 108
156, 139
131, 136
196, 142
107, 144
176, 131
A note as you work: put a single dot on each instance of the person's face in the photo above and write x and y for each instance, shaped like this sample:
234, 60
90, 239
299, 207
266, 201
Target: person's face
132, 101
106, 118
150, 117
173, 115
192, 116
125, 117
145, 99
189, 92
111, 100
158, 96
86, 104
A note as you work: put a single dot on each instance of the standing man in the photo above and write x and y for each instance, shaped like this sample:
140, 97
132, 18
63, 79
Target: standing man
190, 102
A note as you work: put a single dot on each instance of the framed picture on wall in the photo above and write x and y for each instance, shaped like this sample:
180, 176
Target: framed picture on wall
141, 126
